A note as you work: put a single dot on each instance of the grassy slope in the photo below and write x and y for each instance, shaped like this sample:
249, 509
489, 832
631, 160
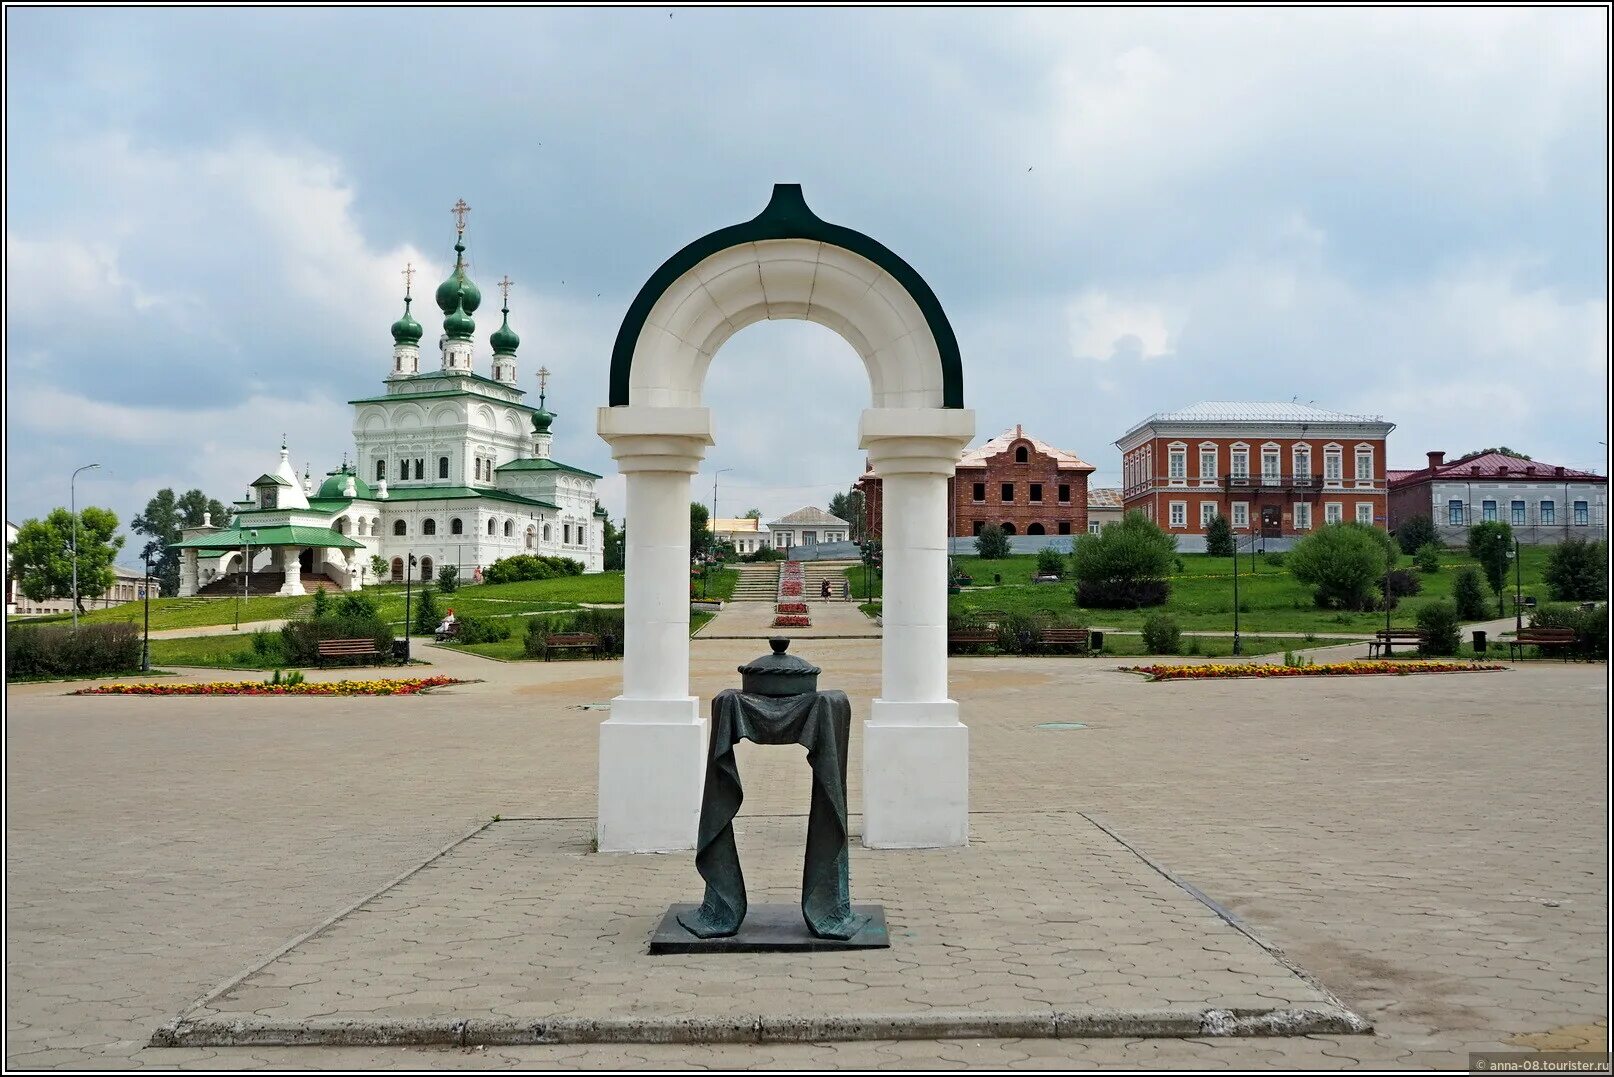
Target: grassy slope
1202, 594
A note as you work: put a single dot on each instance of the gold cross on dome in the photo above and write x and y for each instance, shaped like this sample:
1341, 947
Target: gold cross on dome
504, 286
460, 210
409, 277
543, 380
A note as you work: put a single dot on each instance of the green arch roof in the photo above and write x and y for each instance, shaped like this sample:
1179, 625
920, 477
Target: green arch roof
787, 216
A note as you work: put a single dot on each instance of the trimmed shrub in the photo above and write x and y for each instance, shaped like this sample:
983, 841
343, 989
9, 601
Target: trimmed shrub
1438, 621
299, 640
1343, 562
1403, 583
992, 544
525, 566
1050, 562
1427, 558
766, 553
322, 602
356, 604
266, 644
1219, 537
608, 625
1577, 571
448, 579
1276, 558
1161, 634
1124, 565
62, 651
1591, 627
1469, 595
1416, 533
481, 630
427, 615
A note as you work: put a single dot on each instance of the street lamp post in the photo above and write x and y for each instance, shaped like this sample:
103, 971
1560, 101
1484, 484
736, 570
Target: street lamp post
246, 573
145, 592
705, 568
409, 565
1238, 647
1518, 588
72, 502
1388, 562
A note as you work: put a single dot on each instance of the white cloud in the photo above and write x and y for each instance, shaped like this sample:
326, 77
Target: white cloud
1103, 327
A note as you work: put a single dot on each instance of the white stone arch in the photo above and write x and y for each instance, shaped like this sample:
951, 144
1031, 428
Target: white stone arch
786, 263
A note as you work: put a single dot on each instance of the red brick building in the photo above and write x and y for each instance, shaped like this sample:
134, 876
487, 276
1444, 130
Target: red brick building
1276, 469
1025, 486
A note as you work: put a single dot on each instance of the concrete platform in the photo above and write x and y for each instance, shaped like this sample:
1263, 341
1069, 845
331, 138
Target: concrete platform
1046, 926
768, 929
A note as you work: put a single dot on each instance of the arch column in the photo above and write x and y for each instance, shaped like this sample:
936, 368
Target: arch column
915, 750
653, 747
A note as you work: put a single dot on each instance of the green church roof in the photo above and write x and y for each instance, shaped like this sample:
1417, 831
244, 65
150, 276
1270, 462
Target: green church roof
283, 535
544, 465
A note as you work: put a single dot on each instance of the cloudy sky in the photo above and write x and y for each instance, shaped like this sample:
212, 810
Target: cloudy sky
1392, 212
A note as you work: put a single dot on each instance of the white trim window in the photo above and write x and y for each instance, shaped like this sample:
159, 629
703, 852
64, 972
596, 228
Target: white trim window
1488, 510
1240, 456
1271, 465
1583, 515
1177, 466
1333, 464
1207, 513
1302, 515
1301, 462
1207, 463
1333, 512
1364, 464
1364, 512
1454, 512
1179, 514
1516, 510
1549, 512
1241, 515
1094, 527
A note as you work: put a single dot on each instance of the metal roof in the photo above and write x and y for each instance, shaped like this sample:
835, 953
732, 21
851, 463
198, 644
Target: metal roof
811, 516
1491, 466
1103, 498
1254, 412
994, 446
283, 535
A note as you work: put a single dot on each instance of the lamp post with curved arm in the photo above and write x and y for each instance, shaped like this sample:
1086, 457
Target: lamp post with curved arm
72, 502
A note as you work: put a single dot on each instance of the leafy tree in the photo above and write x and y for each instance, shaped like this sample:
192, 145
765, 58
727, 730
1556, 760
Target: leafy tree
1469, 595
1219, 537
753, 514
700, 535
1427, 558
1416, 533
378, 567
1344, 562
1490, 543
1125, 564
1577, 570
849, 507
163, 521
448, 579
992, 544
42, 554
1050, 562
427, 615
616, 546
322, 603
1503, 450
1438, 622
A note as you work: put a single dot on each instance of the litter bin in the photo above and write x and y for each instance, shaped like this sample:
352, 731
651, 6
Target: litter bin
1095, 641
400, 650
1479, 641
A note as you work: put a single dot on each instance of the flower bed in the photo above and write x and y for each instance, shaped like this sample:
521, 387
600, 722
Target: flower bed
402, 687
1330, 669
791, 620
791, 588
790, 607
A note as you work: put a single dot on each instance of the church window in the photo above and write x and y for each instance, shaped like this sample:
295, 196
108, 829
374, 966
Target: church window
567, 531
426, 569
397, 569
403, 469
420, 469
547, 533
380, 471
490, 526
509, 529
400, 528
429, 527
341, 525
478, 469
455, 527
531, 537
442, 467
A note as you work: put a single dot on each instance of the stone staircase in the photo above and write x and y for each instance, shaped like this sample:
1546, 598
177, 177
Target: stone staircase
258, 583
757, 583
816, 572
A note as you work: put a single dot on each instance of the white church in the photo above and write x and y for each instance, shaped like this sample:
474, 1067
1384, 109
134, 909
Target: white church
450, 468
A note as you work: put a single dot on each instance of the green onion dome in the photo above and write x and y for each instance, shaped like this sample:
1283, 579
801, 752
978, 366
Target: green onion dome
458, 291
334, 485
541, 419
406, 330
459, 325
504, 339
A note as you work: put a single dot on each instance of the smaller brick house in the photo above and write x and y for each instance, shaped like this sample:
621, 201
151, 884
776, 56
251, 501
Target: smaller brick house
1022, 484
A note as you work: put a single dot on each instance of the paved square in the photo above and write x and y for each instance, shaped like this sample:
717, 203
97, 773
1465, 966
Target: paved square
1044, 917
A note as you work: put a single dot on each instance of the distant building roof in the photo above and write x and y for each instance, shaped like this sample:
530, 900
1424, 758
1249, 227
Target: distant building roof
1253, 411
978, 456
1103, 498
812, 516
1491, 465
743, 523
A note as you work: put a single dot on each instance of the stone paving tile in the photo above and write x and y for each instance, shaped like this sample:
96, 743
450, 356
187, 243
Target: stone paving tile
1434, 849
1037, 883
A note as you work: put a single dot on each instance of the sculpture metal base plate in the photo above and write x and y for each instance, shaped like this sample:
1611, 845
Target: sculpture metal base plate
768, 929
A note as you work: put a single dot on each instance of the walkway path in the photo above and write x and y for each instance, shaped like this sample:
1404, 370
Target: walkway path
754, 620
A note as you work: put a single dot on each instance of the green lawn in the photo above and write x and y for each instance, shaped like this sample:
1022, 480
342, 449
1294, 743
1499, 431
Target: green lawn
1270, 599
217, 652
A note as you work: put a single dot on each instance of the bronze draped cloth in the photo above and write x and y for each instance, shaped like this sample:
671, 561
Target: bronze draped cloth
821, 722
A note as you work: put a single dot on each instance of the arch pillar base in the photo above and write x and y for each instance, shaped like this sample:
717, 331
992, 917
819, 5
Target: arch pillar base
653, 747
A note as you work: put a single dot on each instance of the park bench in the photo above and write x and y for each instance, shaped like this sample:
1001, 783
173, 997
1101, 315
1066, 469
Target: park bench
450, 632
1064, 637
1385, 641
570, 641
347, 648
971, 637
1543, 638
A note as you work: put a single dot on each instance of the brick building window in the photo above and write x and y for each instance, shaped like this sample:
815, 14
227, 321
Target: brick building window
1302, 516
1064, 527
1036, 493
1021, 455
1008, 491
1364, 512
1332, 512
1178, 465
1207, 513
1332, 463
1241, 514
978, 492
1064, 493
979, 524
1179, 514
1207, 463
1241, 463
1364, 464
